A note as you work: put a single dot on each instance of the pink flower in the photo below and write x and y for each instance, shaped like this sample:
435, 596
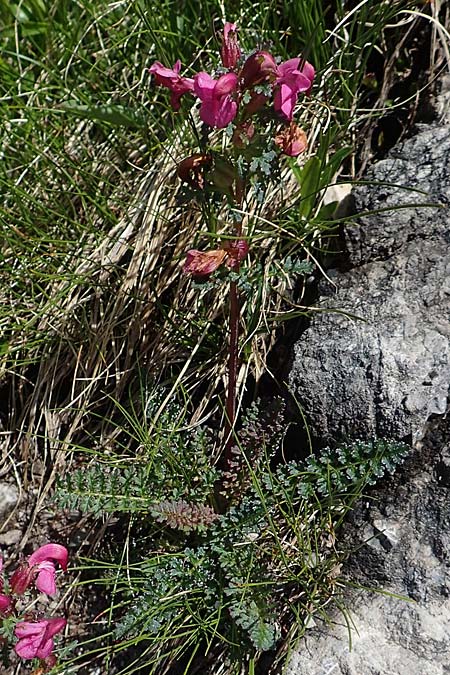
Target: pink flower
230, 51
292, 140
290, 81
202, 263
259, 68
218, 108
40, 568
172, 79
36, 637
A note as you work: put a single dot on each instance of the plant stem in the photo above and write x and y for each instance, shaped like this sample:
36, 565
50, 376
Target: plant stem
230, 408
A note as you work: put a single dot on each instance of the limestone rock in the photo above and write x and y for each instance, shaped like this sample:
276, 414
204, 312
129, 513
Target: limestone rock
402, 537
379, 364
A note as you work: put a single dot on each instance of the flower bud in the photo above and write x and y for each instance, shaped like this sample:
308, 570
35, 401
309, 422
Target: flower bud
230, 51
259, 68
22, 578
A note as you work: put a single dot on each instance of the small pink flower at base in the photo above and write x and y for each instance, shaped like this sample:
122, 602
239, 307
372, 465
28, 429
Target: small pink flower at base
259, 68
171, 78
236, 250
40, 568
218, 108
292, 140
293, 77
230, 51
36, 637
202, 263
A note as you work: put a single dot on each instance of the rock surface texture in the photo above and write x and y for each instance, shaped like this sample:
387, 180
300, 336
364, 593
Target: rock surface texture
381, 367
406, 525
388, 374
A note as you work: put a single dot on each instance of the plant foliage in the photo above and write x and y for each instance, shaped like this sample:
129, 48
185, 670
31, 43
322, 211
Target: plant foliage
240, 577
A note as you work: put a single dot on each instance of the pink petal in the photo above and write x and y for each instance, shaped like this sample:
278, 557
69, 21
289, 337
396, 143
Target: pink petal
50, 552
55, 625
225, 113
30, 628
284, 101
208, 111
182, 86
308, 70
298, 74
204, 86
161, 72
27, 647
30, 634
225, 85
35, 637
45, 580
45, 648
259, 67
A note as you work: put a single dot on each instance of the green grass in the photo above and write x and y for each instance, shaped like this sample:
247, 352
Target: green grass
94, 225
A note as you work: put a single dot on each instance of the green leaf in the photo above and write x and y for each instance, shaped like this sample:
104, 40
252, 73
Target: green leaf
117, 115
334, 163
309, 186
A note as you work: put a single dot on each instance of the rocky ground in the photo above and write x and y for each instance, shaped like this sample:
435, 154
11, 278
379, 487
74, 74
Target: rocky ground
381, 367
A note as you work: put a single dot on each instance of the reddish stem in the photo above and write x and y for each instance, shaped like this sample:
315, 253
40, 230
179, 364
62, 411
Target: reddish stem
233, 361
232, 368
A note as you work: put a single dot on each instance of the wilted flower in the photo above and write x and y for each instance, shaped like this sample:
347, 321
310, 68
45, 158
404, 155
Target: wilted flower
40, 569
202, 263
191, 169
218, 108
293, 77
230, 51
171, 78
237, 250
36, 637
292, 140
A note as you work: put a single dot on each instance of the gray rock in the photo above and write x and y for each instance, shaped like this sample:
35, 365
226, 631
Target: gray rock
379, 364
409, 554
9, 496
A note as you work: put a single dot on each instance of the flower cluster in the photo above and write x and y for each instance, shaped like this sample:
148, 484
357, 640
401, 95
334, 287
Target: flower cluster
34, 634
239, 92
253, 97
